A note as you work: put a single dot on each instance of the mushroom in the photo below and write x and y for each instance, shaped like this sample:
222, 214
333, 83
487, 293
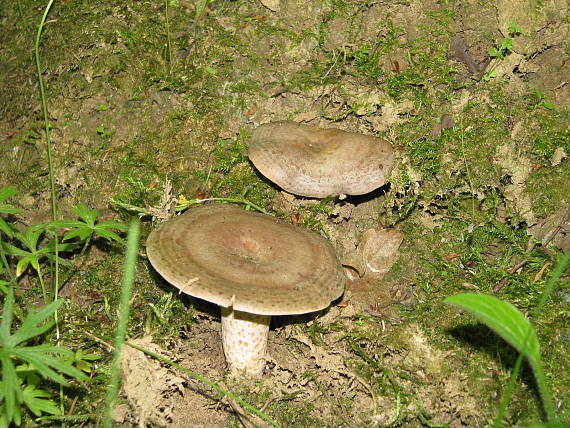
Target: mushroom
253, 266
318, 162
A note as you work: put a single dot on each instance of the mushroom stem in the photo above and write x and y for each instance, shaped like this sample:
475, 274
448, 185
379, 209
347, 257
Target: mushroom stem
244, 337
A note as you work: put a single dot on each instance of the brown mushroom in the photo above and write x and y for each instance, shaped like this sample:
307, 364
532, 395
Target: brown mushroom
317, 162
250, 264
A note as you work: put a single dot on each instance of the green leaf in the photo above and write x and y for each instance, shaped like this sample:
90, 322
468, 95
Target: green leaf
506, 44
110, 236
45, 360
36, 401
24, 262
82, 233
48, 365
82, 360
7, 314
9, 209
64, 224
547, 105
31, 326
31, 236
86, 214
7, 192
10, 388
6, 228
493, 52
11, 250
48, 249
509, 323
514, 29
86, 227
113, 224
504, 319
210, 70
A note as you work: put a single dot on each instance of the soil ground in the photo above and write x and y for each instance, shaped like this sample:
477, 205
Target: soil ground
153, 102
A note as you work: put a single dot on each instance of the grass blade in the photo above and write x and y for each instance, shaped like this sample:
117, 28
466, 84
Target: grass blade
126, 289
509, 323
503, 318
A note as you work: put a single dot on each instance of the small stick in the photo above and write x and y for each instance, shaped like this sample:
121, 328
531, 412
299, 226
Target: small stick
518, 266
538, 276
499, 286
98, 339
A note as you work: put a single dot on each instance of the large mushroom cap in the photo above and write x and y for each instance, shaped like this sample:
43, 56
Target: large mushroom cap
319, 162
249, 261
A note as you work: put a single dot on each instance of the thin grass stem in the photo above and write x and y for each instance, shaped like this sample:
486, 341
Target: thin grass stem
11, 273
126, 291
49, 156
509, 392
168, 41
51, 178
43, 284
461, 138
544, 391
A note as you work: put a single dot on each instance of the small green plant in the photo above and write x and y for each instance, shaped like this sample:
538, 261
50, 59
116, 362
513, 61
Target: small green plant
38, 242
6, 193
200, 7
514, 30
163, 310
31, 251
502, 50
24, 365
509, 323
87, 226
103, 132
83, 360
539, 100
505, 46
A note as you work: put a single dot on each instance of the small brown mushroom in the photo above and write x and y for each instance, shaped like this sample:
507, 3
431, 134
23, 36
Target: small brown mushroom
317, 162
250, 264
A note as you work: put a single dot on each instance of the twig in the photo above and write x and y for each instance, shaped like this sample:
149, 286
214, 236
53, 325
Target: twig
538, 276
518, 266
550, 236
503, 282
101, 341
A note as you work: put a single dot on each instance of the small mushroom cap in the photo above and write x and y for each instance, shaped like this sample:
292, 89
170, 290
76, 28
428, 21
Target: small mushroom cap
317, 162
249, 261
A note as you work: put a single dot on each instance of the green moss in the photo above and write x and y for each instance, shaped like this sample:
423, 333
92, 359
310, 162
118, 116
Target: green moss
545, 187
232, 176
551, 135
